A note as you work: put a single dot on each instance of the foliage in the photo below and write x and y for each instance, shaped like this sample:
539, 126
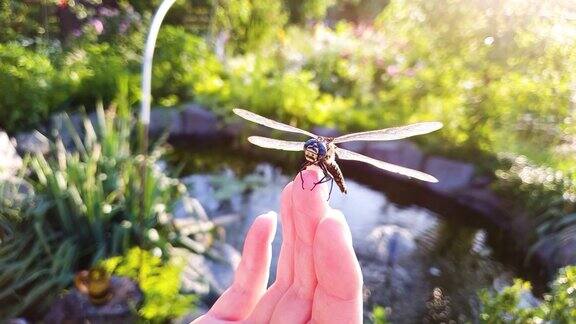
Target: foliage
557, 307
20, 20
181, 61
303, 11
89, 203
97, 69
29, 87
159, 282
379, 315
249, 24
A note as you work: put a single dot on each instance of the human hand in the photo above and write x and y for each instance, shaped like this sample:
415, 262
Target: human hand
318, 278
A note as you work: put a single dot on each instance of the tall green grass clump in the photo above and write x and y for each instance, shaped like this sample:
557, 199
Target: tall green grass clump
90, 202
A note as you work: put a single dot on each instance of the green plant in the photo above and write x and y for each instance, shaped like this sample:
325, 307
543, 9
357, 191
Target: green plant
29, 87
89, 203
379, 315
557, 306
249, 24
159, 282
97, 69
181, 61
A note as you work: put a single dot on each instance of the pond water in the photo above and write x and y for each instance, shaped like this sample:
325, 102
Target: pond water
422, 265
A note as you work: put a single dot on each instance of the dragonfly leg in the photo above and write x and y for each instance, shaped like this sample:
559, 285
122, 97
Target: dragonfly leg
331, 186
325, 178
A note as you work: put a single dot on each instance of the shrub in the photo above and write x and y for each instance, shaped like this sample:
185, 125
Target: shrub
96, 69
557, 307
379, 315
159, 282
181, 61
29, 87
249, 24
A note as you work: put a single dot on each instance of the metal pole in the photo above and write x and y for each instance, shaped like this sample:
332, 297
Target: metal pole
145, 108
147, 61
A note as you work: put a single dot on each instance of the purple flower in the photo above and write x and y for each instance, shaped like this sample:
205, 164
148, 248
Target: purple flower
98, 25
108, 12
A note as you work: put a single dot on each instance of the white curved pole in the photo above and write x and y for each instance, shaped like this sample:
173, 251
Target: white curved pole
147, 61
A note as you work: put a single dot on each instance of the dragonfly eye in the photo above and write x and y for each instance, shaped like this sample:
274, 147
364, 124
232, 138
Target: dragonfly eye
315, 146
321, 149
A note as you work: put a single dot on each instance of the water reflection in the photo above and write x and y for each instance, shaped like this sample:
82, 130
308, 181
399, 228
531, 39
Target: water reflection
419, 264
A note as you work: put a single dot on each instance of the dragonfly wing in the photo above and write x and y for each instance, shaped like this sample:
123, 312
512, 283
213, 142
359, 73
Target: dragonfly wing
269, 122
349, 155
393, 133
276, 144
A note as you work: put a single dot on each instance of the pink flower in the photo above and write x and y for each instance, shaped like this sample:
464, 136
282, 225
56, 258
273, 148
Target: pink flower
392, 70
98, 25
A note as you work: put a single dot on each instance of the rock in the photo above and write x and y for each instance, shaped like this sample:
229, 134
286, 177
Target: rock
452, 175
10, 161
527, 300
189, 207
403, 153
484, 201
17, 321
325, 131
566, 253
32, 142
161, 119
225, 259
209, 276
195, 121
75, 307
389, 244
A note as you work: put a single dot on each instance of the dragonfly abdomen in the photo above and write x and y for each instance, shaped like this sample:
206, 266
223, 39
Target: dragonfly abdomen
336, 174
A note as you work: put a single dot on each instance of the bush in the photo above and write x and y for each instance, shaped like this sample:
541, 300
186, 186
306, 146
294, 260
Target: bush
29, 87
181, 61
89, 203
159, 282
379, 315
96, 70
557, 307
249, 24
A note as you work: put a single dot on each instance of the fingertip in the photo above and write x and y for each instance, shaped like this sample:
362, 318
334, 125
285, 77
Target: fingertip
265, 226
306, 188
306, 179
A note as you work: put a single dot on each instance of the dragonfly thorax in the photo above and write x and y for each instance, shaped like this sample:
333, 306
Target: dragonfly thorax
314, 150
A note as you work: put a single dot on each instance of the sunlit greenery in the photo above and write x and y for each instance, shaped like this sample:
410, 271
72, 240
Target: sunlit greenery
558, 306
379, 315
159, 282
500, 75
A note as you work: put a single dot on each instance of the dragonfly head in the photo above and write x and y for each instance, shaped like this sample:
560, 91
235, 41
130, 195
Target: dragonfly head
314, 150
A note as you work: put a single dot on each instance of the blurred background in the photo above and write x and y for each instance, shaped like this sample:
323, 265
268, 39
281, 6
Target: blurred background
493, 242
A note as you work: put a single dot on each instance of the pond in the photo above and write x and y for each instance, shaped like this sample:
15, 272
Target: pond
423, 263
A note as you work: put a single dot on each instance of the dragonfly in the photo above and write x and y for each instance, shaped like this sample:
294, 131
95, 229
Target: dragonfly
323, 152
